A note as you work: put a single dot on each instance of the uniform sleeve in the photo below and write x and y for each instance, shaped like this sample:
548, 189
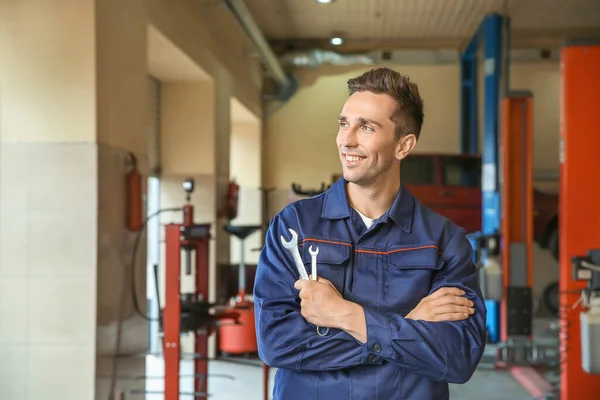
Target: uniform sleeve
285, 339
446, 351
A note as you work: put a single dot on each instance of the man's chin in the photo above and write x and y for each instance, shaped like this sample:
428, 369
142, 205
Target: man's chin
353, 178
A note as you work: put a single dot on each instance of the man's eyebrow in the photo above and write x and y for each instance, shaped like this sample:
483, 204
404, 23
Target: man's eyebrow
362, 120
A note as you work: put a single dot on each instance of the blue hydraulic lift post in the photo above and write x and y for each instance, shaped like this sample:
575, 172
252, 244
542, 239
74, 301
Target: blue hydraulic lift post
490, 190
490, 35
469, 130
468, 113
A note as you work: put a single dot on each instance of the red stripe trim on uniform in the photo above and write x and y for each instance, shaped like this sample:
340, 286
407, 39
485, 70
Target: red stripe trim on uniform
370, 251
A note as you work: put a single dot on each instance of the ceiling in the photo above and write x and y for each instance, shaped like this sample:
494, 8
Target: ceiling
368, 25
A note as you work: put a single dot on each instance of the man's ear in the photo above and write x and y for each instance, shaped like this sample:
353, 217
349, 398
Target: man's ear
405, 146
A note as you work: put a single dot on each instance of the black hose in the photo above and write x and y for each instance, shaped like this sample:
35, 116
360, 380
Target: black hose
136, 246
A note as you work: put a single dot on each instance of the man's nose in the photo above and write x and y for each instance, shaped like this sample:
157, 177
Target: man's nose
348, 138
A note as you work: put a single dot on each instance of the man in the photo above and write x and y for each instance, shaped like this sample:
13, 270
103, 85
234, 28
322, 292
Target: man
397, 304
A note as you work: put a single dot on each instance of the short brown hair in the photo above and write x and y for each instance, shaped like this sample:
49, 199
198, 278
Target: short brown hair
408, 116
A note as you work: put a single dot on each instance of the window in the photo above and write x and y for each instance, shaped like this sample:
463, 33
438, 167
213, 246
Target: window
417, 170
461, 171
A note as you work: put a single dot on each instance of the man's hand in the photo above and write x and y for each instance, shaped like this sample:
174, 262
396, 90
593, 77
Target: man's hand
321, 304
445, 304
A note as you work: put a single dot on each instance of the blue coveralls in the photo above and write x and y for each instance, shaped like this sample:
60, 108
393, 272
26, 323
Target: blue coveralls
407, 254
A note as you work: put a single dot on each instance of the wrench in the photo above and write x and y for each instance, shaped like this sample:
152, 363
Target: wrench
292, 246
313, 259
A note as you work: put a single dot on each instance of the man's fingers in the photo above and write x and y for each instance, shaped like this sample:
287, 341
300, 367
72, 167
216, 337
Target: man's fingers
300, 283
323, 280
453, 309
445, 291
452, 300
452, 317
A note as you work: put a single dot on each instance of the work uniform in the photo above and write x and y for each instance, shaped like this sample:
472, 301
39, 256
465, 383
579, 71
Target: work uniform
407, 254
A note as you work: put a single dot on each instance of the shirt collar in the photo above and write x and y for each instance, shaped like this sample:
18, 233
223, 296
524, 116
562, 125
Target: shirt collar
336, 206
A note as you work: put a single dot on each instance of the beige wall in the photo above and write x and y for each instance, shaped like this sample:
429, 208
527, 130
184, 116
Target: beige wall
245, 168
121, 75
48, 200
245, 162
187, 127
73, 89
306, 126
47, 72
48, 261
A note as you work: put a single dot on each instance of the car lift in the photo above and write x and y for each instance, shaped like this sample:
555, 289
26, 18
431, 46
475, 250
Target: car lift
507, 225
579, 218
490, 35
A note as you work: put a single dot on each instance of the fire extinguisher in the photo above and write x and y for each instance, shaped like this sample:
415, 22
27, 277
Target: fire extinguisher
230, 210
135, 218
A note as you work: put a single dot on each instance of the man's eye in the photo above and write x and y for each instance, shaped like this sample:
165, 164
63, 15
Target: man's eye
343, 124
367, 127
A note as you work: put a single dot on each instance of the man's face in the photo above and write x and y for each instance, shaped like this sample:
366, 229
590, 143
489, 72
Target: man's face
366, 139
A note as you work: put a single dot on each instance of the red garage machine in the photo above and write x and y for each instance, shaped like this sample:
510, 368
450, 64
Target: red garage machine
188, 312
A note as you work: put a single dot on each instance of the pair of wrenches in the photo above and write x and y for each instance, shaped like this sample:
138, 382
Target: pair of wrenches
292, 247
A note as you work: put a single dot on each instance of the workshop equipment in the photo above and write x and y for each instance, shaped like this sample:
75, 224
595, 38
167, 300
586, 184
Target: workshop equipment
579, 214
491, 38
588, 269
230, 206
506, 275
135, 195
516, 160
240, 338
188, 312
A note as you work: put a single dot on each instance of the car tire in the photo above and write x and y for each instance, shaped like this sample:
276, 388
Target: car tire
553, 242
551, 297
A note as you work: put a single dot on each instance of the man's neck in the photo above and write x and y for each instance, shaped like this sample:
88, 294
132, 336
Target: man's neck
372, 201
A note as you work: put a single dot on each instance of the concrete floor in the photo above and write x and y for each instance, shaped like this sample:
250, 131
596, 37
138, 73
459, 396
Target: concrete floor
232, 381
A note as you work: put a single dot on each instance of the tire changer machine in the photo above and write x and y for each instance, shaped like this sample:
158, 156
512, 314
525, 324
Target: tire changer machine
185, 313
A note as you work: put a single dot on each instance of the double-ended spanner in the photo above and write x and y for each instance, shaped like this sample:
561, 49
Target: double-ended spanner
292, 247
313, 261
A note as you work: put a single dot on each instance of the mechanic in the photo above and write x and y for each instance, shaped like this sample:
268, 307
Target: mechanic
396, 312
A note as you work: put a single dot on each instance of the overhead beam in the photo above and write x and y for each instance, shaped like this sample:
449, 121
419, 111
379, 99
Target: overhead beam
520, 39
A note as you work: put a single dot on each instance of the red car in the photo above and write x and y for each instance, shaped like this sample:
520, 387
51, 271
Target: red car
451, 185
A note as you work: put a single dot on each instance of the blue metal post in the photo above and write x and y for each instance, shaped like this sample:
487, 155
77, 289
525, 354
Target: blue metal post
492, 30
492, 68
468, 116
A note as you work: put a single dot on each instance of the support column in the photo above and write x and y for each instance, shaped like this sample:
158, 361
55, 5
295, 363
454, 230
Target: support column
121, 97
468, 118
490, 189
492, 69
222, 150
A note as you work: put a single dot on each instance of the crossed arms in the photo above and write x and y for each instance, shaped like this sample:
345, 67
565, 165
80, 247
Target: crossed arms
441, 339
